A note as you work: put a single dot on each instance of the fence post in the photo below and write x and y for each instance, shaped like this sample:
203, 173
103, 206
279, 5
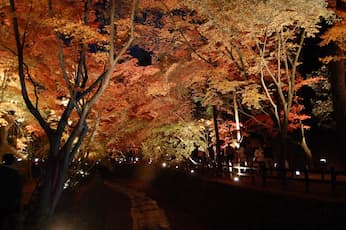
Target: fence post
284, 176
322, 174
263, 174
333, 178
271, 170
306, 178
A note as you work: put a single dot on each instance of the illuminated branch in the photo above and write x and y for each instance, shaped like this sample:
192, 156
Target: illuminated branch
112, 33
105, 77
33, 83
61, 55
35, 112
294, 69
214, 64
240, 66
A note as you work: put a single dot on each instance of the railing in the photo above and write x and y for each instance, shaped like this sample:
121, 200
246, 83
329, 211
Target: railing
262, 174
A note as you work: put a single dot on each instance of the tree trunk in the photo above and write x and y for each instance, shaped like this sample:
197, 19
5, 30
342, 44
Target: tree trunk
217, 137
5, 147
50, 193
236, 118
284, 147
3, 85
338, 82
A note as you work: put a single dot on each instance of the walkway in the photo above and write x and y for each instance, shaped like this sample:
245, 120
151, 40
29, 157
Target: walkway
104, 205
93, 206
116, 203
145, 212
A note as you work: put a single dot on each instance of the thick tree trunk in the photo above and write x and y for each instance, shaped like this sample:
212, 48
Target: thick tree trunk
50, 193
338, 82
283, 160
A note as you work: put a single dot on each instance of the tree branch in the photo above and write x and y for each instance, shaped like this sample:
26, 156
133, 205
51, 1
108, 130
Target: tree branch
214, 64
34, 111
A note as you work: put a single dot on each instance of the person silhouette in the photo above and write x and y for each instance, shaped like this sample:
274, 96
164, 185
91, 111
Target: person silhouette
10, 193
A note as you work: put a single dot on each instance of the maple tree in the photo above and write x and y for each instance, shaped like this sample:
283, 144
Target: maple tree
15, 122
236, 57
334, 37
148, 98
134, 97
69, 71
263, 39
175, 142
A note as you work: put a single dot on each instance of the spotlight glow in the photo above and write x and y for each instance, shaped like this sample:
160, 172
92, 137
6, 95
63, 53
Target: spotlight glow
323, 160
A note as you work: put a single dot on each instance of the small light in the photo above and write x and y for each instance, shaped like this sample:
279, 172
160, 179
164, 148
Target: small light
36, 159
192, 171
20, 120
275, 165
164, 164
323, 160
176, 166
65, 186
19, 159
236, 179
297, 173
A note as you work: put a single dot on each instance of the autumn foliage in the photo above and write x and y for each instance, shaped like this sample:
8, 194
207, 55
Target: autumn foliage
240, 57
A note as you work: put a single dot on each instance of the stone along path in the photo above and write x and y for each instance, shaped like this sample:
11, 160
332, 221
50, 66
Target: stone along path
146, 214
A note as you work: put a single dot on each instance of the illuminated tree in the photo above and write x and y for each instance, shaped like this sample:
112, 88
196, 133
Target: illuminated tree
52, 43
264, 40
175, 142
149, 96
335, 39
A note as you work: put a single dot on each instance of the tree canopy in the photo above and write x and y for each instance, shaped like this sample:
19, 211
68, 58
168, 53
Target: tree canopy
147, 73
